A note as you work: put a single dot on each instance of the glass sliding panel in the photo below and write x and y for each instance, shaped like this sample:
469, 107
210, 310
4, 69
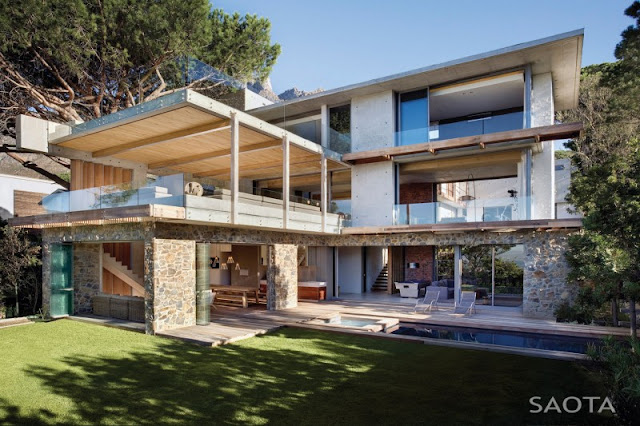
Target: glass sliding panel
61, 301
509, 275
476, 272
414, 117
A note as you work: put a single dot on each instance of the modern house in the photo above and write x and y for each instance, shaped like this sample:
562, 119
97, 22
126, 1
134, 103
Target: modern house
441, 174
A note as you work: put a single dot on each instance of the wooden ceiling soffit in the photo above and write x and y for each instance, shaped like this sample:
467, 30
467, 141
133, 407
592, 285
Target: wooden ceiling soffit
255, 167
214, 154
536, 134
167, 137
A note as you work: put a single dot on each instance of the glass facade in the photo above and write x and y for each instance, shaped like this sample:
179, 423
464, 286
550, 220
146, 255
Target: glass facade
413, 117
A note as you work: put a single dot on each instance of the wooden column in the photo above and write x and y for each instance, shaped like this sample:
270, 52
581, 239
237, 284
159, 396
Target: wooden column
235, 171
323, 191
285, 181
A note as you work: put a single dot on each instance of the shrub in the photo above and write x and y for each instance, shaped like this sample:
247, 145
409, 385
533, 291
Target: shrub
619, 364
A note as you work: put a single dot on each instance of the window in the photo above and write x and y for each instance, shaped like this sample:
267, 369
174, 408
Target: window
413, 117
340, 129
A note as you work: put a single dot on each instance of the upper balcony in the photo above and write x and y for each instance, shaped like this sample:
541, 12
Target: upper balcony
210, 164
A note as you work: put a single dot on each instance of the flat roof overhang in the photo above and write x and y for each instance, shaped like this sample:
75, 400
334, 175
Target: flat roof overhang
560, 54
534, 134
503, 226
190, 133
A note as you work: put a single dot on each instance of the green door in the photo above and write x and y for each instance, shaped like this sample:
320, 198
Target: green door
61, 285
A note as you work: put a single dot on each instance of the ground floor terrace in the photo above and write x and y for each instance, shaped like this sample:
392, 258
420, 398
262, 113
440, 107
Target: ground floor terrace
169, 269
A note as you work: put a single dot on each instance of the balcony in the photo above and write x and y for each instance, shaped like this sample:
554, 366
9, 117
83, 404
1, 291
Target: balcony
187, 200
473, 210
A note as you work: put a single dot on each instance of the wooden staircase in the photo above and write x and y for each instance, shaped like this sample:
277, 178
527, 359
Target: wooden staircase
124, 273
381, 282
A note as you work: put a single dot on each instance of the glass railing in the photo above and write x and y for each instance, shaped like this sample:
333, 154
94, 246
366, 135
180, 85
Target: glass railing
339, 142
292, 198
458, 129
165, 190
478, 210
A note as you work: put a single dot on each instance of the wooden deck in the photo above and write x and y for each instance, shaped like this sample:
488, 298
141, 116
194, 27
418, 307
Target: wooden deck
230, 324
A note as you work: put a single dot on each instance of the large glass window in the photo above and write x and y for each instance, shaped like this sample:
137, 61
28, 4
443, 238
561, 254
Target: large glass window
340, 129
413, 117
495, 273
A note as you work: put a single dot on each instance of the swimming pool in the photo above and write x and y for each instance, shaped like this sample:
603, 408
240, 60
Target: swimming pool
499, 337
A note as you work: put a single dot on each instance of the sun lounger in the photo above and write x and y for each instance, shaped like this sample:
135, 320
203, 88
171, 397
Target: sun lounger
467, 303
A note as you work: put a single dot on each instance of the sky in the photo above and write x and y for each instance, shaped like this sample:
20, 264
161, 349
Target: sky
332, 43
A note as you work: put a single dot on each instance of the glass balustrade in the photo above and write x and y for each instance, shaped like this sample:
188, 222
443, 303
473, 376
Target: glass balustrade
477, 210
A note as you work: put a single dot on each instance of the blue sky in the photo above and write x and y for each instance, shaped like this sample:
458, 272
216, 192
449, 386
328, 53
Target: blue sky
332, 43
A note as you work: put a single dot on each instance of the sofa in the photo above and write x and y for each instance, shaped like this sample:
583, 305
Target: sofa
445, 287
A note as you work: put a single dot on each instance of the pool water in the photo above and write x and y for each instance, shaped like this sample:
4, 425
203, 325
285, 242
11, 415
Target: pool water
351, 322
500, 337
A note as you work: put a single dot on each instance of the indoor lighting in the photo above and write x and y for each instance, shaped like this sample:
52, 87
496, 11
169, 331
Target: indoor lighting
237, 266
223, 266
230, 259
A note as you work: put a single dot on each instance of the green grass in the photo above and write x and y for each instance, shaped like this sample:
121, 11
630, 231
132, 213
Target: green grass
66, 372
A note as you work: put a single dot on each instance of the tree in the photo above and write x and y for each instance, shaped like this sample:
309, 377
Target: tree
19, 256
605, 185
65, 60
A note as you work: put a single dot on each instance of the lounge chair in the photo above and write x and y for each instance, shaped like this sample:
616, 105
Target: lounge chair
467, 303
429, 301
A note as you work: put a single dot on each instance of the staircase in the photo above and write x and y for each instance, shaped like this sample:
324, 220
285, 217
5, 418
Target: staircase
381, 281
124, 273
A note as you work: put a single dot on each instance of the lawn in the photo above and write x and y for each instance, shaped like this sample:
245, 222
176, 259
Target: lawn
71, 372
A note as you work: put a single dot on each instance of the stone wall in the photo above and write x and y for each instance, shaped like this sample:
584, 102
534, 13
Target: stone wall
86, 275
282, 276
545, 274
170, 284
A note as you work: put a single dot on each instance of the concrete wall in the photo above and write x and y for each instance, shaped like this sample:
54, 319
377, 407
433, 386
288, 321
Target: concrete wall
372, 121
9, 183
372, 194
350, 269
542, 173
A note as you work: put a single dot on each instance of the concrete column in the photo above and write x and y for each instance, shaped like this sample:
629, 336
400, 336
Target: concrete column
543, 163
323, 191
457, 272
87, 275
285, 181
282, 276
235, 167
170, 284
324, 126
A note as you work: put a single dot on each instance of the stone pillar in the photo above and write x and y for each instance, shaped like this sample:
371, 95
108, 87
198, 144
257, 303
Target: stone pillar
545, 284
87, 273
170, 284
282, 277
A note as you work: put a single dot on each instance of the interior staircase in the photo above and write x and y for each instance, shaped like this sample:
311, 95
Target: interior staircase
381, 281
124, 273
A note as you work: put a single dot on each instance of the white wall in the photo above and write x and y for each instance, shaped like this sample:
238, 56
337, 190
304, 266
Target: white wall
350, 269
9, 183
219, 276
542, 170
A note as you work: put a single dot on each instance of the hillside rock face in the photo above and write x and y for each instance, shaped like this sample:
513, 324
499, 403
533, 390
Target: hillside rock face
265, 90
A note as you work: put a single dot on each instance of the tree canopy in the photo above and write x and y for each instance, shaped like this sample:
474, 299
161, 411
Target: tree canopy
67, 60
605, 184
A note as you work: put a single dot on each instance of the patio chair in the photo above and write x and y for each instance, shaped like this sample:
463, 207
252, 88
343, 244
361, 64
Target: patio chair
429, 301
467, 303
